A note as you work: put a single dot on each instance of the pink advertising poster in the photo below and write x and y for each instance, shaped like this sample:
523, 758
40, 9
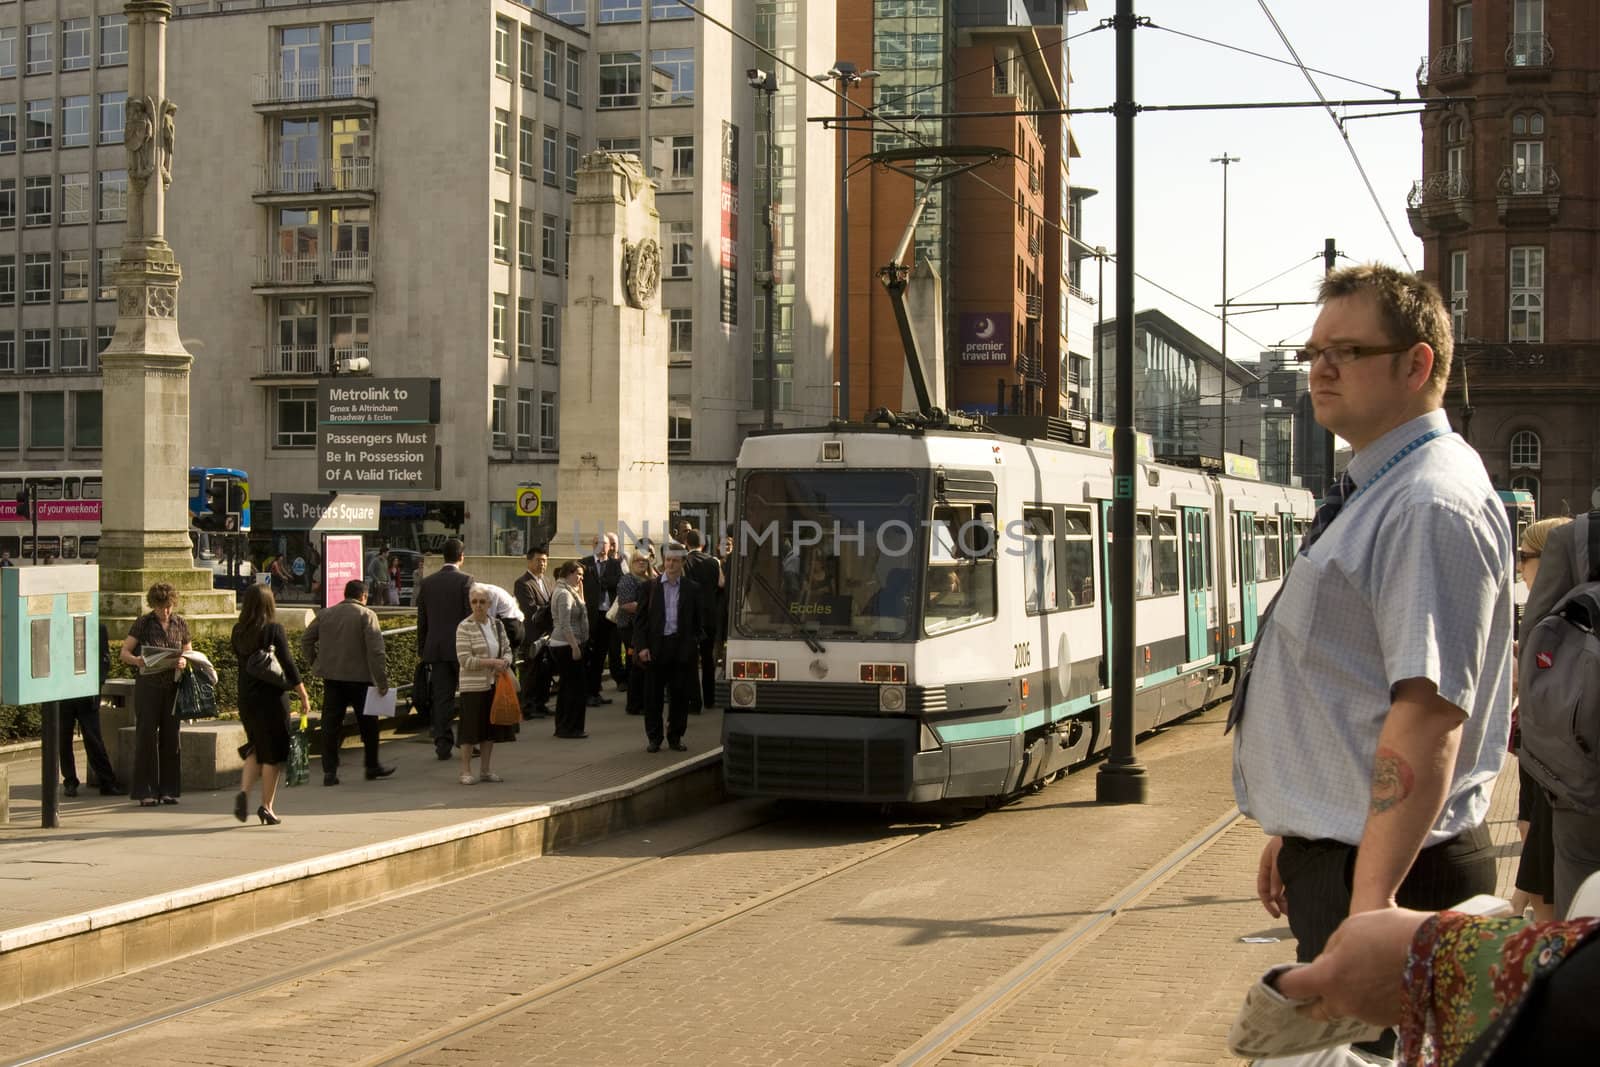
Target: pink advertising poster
341, 562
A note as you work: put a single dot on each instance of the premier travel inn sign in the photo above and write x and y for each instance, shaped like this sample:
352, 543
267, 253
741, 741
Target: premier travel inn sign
378, 433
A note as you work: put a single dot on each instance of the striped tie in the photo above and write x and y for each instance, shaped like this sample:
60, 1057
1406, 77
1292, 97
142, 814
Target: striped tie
1337, 494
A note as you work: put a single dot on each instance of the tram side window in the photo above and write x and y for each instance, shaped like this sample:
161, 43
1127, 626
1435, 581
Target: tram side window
1077, 559
46, 488
1209, 563
1166, 554
1039, 560
1272, 552
1144, 584
91, 489
961, 552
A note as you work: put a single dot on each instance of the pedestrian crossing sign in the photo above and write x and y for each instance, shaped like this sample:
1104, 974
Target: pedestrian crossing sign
530, 501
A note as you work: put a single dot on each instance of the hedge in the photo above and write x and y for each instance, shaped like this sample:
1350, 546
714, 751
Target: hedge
400, 653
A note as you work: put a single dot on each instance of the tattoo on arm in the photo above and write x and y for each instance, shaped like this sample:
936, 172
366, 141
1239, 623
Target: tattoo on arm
1392, 780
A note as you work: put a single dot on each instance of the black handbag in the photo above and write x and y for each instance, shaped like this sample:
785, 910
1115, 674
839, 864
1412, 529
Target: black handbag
263, 666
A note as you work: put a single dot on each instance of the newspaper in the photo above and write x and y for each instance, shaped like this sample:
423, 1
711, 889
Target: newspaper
158, 659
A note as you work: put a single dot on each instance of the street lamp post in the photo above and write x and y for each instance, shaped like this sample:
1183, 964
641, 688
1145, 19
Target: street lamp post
1222, 406
764, 81
847, 76
1099, 339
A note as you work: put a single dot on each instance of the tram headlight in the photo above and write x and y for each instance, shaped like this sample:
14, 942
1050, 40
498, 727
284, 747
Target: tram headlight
743, 694
891, 698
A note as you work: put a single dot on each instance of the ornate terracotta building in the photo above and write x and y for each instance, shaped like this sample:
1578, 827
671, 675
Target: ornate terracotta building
1508, 213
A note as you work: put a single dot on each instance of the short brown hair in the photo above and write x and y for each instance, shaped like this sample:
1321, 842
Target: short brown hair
161, 594
1410, 309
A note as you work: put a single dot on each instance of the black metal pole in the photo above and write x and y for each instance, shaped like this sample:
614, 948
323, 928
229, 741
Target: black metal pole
844, 250
771, 89
1099, 343
1222, 406
33, 514
1122, 779
49, 763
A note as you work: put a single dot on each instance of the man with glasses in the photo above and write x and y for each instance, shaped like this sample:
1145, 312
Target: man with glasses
1372, 721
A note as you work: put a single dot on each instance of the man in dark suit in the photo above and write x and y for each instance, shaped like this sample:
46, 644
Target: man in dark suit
84, 712
601, 572
533, 589
441, 605
673, 623
704, 571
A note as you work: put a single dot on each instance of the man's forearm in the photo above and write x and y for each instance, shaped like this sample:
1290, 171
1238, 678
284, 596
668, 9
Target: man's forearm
1411, 775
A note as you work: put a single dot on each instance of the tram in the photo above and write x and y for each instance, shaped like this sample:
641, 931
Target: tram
922, 613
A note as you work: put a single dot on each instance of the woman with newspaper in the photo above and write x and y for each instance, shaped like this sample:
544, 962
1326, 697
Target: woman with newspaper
156, 644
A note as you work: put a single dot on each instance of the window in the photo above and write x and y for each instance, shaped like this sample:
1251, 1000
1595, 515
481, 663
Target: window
525, 316
502, 49
1525, 448
349, 326
661, 10
106, 271
680, 236
547, 422
526, 148
8, 129
529, 55
620, 76
621, 11
502, 139
547, 245
1527, 293
680, 335
74, 199
573, 145
525, 410
672, 158
8, 52
526, 222
552, 65
113, 40
8, 203
1458, 295
72, 347
74, 121
75, 44
1527, 154
552, 147
1038, 530
1527, 48
47, 420
497, 321
74, 275
502, 231
961, 565
622, 145
1077, 558
113, 195
549, 334
352, 243
294, 417
352, 59
112, 119
572, 12
1269, 550
8, 290
566, 247
680, 426
102, 338
8, 363
41, 40
86, 424
10, 407
671, 76
497, 417
36, 277
574, 77
1144, 581
298, 348
36, 350
41, 123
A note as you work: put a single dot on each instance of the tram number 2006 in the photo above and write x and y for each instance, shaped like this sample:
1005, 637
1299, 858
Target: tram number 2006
1024, 653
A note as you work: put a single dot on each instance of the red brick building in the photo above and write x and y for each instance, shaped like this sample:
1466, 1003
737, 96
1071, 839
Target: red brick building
1508, 208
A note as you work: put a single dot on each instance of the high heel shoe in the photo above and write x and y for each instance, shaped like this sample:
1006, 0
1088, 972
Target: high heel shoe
241, 810
267, 818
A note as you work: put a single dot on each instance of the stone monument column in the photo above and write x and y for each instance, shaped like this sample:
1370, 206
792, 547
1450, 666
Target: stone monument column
613, 415
144, 509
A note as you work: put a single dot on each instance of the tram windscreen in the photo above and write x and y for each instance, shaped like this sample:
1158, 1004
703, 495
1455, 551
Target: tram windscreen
829, 553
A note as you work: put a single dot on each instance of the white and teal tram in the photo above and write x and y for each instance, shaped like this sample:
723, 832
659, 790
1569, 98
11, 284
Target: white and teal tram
923, 614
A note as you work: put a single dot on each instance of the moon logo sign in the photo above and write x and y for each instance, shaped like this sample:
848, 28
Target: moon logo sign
985, 329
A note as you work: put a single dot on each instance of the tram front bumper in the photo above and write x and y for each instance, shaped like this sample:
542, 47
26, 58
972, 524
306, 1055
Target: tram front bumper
830, 757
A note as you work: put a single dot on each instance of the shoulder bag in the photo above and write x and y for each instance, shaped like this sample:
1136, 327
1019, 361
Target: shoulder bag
263, 666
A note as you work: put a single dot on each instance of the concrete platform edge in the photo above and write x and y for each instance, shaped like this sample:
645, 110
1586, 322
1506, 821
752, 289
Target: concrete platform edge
50, 957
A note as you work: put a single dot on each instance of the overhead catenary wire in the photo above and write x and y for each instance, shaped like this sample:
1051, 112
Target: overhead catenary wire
1274, 59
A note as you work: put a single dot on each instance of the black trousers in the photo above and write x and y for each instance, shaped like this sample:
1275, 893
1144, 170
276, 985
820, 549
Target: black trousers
1317, 874
708, 674
443, 677
533, 682
673, 688
85, 713
156, 771
572, 700
604, 647
337, 696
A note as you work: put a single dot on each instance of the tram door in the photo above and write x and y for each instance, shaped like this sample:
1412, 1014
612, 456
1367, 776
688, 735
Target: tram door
1197, 587
1105, 592
1245, 533
1287, 543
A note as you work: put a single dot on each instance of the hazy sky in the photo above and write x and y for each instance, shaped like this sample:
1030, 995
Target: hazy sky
1295, 184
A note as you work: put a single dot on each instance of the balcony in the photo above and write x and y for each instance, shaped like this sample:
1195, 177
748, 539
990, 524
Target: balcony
1440, 202
310, 361
296, 89
1034, 244
1034, 304
346, 270
347, 180
1528, 194
1529, 54
1451, 63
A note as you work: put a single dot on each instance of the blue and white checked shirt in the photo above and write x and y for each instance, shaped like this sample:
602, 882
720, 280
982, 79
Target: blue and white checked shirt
1412, 580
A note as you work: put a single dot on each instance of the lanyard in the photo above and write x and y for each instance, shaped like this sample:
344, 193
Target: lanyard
1393, 462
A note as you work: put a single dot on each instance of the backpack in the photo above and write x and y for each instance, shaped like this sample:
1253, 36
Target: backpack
1560, 684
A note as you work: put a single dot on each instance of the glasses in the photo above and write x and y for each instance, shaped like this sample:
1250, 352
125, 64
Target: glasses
1523, 557
1340, 355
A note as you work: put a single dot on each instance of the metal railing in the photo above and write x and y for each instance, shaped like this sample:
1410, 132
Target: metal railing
1035, 305
1529, 181
1079, 293
1529, 51
1450, 61
323, 83
314, 270
354, 174
1447, 185
303, 360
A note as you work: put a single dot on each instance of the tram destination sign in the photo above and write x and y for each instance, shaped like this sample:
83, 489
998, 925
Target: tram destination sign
370, 401
378, 433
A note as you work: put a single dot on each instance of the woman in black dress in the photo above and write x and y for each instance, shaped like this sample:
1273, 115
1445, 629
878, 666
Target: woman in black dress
155, 698
263, 707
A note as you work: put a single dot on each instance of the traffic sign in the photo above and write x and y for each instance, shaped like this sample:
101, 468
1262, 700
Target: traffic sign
530, 501
378, 433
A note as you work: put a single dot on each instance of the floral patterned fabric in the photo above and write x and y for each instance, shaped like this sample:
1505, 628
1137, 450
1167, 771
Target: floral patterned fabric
1465, 974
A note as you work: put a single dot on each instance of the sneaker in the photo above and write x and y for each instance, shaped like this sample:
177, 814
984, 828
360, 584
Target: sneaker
467, 779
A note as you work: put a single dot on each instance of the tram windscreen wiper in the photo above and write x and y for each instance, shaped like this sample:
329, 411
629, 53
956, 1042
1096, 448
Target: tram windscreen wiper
811, 642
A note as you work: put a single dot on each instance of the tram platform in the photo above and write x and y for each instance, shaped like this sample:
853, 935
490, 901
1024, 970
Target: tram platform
118, 887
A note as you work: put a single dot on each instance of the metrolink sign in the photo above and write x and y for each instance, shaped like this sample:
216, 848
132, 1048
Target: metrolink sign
378, 433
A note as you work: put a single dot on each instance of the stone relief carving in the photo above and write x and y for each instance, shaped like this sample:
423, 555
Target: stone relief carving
622, 164
149, 301
641, 270
169, 140
139, 135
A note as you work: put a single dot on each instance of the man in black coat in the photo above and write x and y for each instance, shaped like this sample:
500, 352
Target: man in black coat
441, 605
704, 571
533, 589
84, 712
668, 631
602, 571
